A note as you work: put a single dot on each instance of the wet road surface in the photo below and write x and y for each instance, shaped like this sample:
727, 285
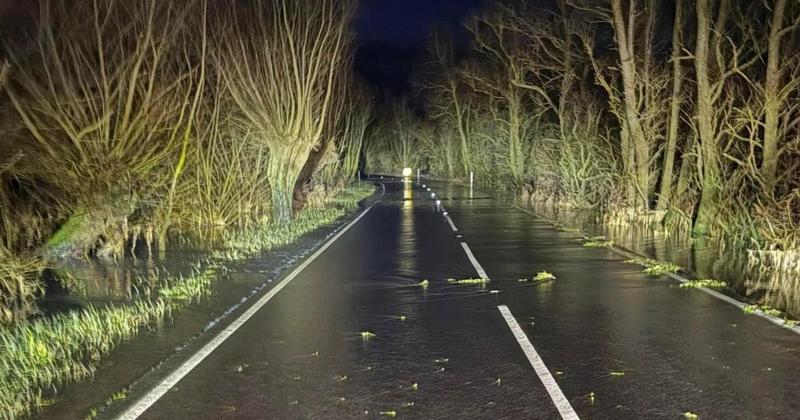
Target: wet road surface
617, 344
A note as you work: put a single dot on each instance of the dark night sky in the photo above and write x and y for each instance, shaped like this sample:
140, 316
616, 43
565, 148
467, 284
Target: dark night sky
392, 33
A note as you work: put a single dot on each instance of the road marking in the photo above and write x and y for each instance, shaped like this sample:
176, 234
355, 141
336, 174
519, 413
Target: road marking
556, 395
474, 261
559, 399
165, 385
450, 221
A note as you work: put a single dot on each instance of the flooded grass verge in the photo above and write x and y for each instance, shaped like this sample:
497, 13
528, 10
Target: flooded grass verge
43, 354
51, 352
244, 244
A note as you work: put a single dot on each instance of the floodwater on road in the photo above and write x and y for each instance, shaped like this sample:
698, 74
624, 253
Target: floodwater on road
747, 279
357, 334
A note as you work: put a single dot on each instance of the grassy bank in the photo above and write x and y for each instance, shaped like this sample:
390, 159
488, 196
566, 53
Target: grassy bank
250, 242
43, 354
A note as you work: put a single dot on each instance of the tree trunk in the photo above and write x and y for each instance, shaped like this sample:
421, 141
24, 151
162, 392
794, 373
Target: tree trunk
286, 162
568, 78
708, 162
772, 100
685, 174
665, 194
628, 160
449, 158
282, 198
300, 192
635, 131
462, 135
83, 230
515, 156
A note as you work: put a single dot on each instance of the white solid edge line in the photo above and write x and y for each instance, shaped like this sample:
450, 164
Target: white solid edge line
165, 385
556, 395
474, 261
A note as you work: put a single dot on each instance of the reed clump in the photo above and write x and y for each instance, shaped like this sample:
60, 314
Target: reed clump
19, 284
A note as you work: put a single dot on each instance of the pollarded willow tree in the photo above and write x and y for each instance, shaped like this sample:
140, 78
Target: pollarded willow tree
106, 97
281, 61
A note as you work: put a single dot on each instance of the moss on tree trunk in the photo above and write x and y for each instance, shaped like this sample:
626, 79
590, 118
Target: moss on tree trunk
82, 231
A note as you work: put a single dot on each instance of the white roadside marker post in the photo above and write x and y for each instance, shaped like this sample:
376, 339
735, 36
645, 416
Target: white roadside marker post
471, 182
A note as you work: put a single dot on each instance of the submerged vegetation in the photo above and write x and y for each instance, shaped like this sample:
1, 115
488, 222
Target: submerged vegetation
707, 283
480, 281
598, 242
765, 309
544, 276
655, 268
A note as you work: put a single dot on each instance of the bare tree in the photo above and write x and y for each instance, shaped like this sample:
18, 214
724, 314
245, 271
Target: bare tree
281, 61
444, 90
718, 59
510, 77
106, 98
631, 96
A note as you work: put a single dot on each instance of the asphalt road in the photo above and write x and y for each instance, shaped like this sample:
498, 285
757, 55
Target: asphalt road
603, 340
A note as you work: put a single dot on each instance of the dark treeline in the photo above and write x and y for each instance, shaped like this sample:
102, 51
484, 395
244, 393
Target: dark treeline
673, 112
137, 119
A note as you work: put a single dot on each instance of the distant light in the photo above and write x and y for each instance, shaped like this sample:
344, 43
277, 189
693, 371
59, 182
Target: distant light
407, 172
429, 189
445, 213
438, 202
423, 185
433, 195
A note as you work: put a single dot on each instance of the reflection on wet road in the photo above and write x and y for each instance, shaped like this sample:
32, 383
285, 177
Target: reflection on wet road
357, 334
